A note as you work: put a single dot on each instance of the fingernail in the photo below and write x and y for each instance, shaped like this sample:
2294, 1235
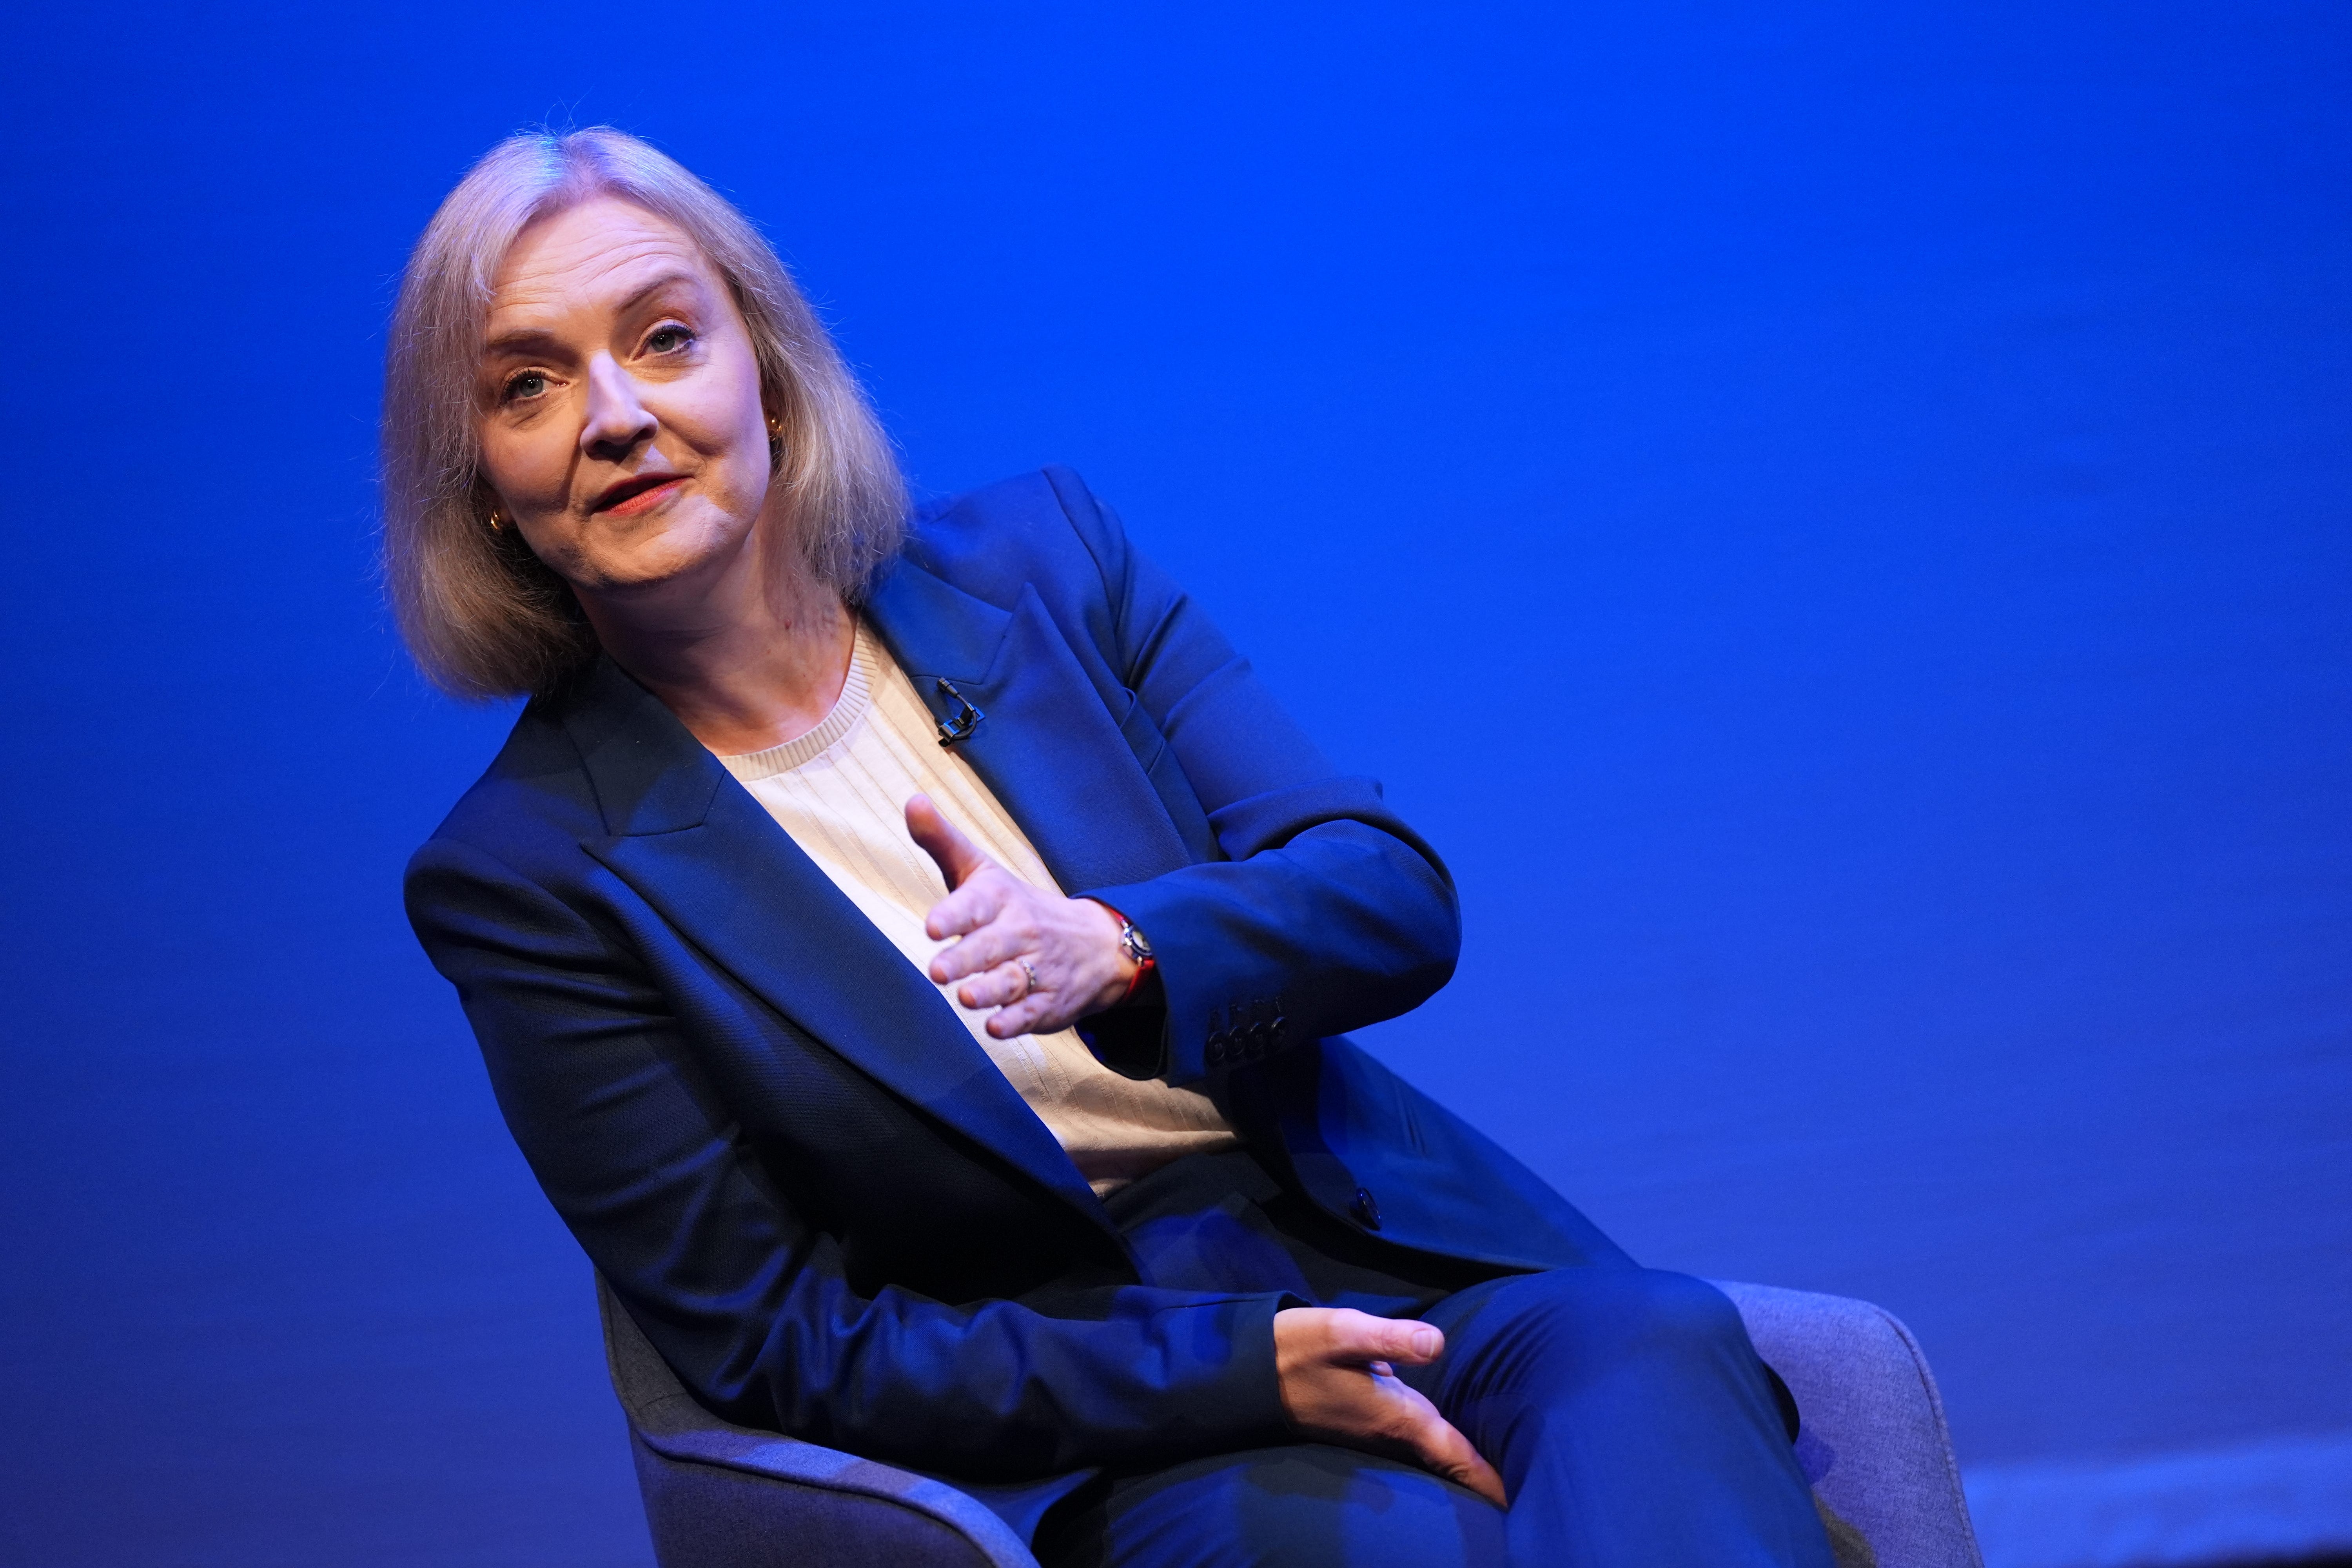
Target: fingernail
1425, 1341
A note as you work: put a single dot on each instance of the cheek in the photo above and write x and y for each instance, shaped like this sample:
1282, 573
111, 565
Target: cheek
527, 467
720, 414
733, 446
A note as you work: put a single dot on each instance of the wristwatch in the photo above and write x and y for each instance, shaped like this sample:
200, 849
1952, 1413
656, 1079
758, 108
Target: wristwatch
1133, 943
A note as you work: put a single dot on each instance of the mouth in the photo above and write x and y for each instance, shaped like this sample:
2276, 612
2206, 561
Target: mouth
637, 493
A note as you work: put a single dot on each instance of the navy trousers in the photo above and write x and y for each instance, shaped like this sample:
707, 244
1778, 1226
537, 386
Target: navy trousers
1630, 1418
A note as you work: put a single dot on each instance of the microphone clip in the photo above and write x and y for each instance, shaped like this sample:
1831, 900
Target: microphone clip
966, 717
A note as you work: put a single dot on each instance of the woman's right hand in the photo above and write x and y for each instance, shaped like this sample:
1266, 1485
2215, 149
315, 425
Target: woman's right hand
1336, 1368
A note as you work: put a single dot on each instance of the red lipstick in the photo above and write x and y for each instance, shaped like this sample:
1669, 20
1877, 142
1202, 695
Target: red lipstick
637, 493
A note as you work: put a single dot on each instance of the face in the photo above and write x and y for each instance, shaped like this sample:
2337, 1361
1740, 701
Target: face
619, 405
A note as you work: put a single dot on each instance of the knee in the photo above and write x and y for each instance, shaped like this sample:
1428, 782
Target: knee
1682, 1307
1631, 1311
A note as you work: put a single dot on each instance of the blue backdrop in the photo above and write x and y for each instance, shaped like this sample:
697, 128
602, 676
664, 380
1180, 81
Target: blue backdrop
1833, 516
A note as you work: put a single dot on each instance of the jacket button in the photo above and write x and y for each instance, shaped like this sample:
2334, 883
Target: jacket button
1365, 1209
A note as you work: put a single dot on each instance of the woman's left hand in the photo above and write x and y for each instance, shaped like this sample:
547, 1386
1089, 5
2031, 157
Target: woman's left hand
1042, 960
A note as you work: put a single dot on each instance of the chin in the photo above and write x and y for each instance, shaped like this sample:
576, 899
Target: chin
675, 547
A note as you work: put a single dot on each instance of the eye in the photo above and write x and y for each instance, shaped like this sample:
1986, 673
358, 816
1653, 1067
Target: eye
667, 338
522, 385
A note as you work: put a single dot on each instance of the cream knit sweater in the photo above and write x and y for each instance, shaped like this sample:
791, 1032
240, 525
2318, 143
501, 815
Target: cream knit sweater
841, 791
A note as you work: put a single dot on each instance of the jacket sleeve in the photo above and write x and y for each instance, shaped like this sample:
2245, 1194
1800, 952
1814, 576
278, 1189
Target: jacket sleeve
749, 1301
1329, 912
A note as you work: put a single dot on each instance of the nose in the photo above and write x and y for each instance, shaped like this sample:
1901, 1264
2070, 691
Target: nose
618, 424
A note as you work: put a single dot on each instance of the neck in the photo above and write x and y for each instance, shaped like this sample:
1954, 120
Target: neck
752, 658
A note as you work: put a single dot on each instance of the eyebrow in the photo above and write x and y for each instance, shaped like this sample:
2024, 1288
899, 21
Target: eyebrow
523, 339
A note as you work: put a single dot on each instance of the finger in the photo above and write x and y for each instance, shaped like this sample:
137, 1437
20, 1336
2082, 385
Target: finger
958, 858
1360, 1338
969, 907
1007, 982
1033, 1014
1002, 938
1446, 1450
1438, 1443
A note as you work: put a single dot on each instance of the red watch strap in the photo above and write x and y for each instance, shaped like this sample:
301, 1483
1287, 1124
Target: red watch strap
1143, 967
1142, 973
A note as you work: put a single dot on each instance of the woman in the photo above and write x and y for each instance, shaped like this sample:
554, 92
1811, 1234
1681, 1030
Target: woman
912, 954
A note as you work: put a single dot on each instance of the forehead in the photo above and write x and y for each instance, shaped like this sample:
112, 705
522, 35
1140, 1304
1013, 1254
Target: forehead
593, 258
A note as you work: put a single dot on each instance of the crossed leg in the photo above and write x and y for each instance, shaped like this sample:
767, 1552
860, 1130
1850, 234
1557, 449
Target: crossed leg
1632, 1423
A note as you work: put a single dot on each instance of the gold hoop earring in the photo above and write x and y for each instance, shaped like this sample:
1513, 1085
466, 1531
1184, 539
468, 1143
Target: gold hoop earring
498, 522
775, 443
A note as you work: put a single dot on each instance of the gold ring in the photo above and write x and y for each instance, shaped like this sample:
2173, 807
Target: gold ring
1031, 973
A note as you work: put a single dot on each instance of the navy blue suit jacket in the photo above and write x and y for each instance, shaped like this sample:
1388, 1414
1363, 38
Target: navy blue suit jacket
826, 1207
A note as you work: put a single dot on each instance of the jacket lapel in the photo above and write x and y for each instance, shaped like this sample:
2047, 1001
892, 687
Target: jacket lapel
1047, 747
695, 845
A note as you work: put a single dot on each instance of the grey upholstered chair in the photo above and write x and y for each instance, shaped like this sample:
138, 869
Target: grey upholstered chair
718, 1496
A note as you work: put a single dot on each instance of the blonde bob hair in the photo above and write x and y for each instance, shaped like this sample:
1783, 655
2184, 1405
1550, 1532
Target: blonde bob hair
482, 616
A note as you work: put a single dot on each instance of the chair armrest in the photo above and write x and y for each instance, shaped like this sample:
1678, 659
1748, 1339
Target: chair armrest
1873, 1442
718, 1493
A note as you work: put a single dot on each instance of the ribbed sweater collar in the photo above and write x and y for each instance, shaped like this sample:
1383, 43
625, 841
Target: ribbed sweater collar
856, 696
